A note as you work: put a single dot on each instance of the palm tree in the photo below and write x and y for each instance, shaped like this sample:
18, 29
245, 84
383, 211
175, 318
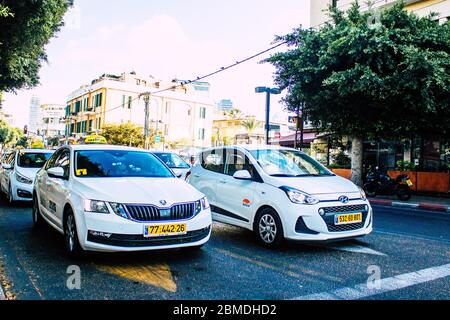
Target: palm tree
251, 124
233, 114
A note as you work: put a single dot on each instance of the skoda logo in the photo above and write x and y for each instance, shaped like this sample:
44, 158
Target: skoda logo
343, 199
163, 202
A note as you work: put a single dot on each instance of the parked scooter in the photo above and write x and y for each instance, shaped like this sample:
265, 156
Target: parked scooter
380, 183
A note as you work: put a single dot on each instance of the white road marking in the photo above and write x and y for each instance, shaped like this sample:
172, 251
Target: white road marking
362, 290
355, 248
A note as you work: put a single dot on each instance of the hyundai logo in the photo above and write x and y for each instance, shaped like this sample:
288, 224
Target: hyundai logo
163, 202
343, 199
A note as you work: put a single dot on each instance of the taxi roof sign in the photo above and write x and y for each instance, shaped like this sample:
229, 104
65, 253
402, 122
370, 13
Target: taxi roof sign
95, 139
37, 145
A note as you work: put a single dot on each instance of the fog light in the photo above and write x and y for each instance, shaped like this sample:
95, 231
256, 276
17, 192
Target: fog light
99, 234
322, 212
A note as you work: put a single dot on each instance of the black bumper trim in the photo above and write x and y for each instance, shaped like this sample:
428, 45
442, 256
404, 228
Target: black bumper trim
135, 241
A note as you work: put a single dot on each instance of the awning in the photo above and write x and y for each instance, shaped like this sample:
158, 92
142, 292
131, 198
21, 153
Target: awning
308, 137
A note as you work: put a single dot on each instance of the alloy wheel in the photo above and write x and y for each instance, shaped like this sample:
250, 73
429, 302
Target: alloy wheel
267, 228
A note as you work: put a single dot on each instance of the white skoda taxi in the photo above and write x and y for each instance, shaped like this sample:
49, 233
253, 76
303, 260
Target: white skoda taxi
280, 193
114, 198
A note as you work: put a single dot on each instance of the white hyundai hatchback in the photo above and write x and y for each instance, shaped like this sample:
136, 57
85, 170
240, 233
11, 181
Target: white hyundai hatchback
280, 193
114, 198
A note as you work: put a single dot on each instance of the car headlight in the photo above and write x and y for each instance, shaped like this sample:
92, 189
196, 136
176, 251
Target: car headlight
205, 203
119, 209
297, 196
95, 206
363, 193
23, 179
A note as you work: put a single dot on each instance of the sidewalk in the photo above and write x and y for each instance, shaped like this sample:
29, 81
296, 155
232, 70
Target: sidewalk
417, 202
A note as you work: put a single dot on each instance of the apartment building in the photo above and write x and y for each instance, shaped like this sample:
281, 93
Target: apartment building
318, 8
183, 113
52, 123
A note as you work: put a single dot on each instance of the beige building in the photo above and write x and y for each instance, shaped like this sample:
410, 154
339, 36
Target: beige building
183, 113
318, 8
52, 120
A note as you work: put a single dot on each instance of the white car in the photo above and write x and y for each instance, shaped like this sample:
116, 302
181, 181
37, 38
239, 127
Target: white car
174, 162
114, 198
19, 170
280, 193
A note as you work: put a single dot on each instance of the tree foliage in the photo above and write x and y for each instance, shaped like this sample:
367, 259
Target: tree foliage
26, 27
390, 79
251, 124
127, 134
9, 136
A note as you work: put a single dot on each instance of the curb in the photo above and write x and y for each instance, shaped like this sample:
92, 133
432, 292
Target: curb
424, 206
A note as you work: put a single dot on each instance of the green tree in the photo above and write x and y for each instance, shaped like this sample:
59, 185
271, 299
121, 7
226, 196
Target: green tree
233, 114
26, 27
127, 134
364, 80
251, 124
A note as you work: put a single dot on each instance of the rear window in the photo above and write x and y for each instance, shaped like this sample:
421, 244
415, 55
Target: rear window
33, 160
172, 160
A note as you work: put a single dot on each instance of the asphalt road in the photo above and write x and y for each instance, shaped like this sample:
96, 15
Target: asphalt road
233, 266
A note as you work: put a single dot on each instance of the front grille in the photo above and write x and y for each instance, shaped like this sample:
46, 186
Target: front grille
121, 240
330, 212
345, 209
150, 213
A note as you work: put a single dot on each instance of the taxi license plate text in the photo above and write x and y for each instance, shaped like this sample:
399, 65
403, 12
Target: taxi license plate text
348, 218
164, 230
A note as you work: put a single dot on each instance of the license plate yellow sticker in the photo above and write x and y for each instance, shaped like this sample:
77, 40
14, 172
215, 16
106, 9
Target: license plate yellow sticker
348, 218
409, 183
164, 230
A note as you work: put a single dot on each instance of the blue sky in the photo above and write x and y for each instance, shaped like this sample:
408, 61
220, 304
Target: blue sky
167, 39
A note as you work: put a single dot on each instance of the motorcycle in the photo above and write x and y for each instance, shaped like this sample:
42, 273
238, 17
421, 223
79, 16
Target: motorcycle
378, 182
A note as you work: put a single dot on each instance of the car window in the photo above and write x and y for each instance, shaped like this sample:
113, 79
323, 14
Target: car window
32, 160
119, 163
237, 161
63, 161
51, 162
172, 160
213, 161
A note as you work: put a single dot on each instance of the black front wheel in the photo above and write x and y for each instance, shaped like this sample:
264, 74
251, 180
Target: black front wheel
73, 247
371, 190
404, 193
269, 229
36, 213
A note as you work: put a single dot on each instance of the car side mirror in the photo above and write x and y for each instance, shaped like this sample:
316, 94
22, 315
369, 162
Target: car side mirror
6, 166
57, 172
242, 175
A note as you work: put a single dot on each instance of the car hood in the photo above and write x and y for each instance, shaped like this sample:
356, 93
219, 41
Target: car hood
28, 172
138, 190
317, 185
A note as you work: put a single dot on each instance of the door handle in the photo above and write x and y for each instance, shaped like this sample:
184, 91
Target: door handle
223, 181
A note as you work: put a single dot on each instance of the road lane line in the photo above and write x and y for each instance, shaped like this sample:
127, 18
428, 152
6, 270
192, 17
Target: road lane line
362, 290
355, 249
259, 263
158, 275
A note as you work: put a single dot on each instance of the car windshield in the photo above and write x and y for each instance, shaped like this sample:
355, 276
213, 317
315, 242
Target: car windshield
172, 160
33, 160
118, 163
288, 163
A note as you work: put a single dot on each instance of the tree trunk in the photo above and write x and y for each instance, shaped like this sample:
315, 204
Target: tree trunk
357, 159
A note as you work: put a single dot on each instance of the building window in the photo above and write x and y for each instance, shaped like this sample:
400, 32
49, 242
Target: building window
77, 106
167, 107
201, 134
202, 113
130, 100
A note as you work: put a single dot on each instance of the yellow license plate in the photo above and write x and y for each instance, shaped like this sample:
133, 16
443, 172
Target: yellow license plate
409, 183
348, 218
164, 230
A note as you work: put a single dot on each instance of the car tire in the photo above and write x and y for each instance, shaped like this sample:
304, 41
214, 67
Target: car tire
268, 228
71, 241
38, 221
404, 193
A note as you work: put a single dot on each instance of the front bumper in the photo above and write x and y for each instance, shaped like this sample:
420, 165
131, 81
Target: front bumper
21, 191
111, 233
306, 224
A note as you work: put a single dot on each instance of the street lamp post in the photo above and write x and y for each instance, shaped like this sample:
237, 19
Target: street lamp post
268, 92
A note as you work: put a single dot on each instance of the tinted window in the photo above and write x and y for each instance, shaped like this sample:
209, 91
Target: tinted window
51, 161
237, 162
172, 160
118, 163
213, 161
32, 160
63, 161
